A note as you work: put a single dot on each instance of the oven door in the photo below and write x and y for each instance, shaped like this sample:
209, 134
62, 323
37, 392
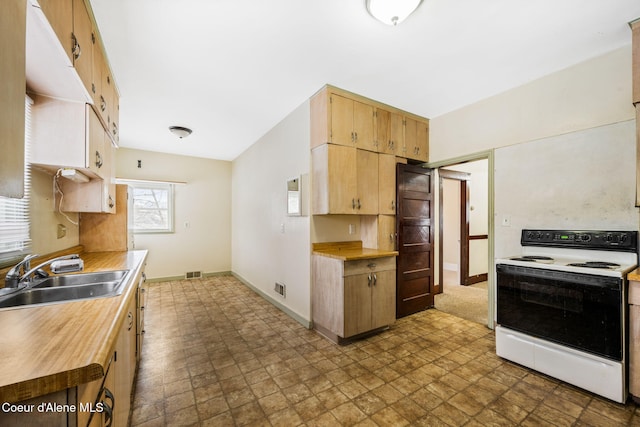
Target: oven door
582, 311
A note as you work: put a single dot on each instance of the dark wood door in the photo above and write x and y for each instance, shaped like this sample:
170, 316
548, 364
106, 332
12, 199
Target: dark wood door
415, 239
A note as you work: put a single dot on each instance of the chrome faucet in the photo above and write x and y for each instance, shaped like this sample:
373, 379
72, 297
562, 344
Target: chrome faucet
13, 276
14, 279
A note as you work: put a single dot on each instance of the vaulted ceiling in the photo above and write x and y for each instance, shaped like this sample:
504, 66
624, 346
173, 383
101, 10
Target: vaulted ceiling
232, 69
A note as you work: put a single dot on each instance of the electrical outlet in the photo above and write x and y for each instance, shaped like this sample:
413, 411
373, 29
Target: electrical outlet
352, 229
62, 231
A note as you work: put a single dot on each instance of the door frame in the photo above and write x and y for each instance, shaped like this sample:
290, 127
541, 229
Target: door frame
491, 279
463, 227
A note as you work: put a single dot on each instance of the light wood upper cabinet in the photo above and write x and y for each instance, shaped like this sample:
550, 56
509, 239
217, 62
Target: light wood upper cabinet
351, 123
82, 50
389, 132
416, 139
387, 184
59, 13
367, 179
343, 118
12, 93
345, 180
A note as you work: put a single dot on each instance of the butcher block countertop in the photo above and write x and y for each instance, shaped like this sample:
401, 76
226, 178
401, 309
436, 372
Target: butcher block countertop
349, 251
47, 348
634, 275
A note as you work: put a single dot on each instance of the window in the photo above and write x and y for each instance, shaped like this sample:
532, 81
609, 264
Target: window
15, 239
152, 207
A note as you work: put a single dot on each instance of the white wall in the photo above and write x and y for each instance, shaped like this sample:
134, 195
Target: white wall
204, 202
582, 104
262, 253
587, 95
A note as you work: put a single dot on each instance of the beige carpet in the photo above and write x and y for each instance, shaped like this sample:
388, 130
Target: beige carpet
467, 302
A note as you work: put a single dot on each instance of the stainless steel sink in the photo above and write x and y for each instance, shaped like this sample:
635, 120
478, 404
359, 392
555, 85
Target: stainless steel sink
80, 279
68, 287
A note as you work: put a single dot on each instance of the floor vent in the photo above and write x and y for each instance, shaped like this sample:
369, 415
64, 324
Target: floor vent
281, 289
193, 275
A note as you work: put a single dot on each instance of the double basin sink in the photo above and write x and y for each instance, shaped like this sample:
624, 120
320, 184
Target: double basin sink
68, 287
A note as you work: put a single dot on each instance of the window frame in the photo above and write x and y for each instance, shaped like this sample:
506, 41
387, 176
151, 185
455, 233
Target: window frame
170, 209
19, 209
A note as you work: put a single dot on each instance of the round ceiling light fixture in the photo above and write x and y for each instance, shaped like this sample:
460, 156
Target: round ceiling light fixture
180, 131
391, 12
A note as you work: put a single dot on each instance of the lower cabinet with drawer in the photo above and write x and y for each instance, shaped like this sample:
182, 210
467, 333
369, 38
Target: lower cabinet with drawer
353, 298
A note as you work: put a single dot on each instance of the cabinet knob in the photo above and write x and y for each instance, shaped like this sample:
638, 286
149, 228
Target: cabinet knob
98, 159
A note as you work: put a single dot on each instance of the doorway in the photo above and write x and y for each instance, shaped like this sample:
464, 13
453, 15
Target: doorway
463, 247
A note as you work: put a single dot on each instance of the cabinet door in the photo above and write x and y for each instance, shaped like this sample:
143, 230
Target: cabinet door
96, 160
383, 298
389, 132
367, 171
59, 13
357, 304
98, 62
83, 46
125, 364
416, 139
13, 24
386, 232
387, 184
341, 120
422, 141
335, 179
363, 126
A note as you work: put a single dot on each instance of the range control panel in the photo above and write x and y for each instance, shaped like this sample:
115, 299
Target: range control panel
621, 241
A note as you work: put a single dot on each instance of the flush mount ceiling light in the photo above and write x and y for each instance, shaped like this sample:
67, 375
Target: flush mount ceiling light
391, 12
180, 131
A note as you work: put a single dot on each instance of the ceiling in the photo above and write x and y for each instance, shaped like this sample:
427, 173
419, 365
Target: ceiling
232, 69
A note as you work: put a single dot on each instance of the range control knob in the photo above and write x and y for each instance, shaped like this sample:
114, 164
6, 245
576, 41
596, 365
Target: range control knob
608, 238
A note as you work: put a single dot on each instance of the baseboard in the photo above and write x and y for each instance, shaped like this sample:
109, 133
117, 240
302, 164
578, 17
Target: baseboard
295, 316
170, 278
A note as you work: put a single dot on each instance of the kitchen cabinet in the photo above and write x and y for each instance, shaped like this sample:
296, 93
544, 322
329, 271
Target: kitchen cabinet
12, 93
125, 366
104, 232
389, 132
352, 297
141, 302
416, 139
387, 183
345, 180
105, 93
351, 123
68, 134
71, 23
387, 232
343, 118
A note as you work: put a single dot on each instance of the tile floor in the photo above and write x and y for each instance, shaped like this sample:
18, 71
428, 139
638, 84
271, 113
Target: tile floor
216, 354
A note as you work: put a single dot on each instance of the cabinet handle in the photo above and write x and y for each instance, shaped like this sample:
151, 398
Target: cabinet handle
130, 319
353, 203
359, 205
115, 128
353, 137
371, 265
369, 280
103, 104
109, 408
393, 205
76, 50
111, 203
391, 237
356, 137
375, 279
98, 159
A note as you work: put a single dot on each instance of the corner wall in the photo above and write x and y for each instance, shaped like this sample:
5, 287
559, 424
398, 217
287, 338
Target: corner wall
204, 202
268, 246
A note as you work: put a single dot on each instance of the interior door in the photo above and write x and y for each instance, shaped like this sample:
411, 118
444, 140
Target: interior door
414, 284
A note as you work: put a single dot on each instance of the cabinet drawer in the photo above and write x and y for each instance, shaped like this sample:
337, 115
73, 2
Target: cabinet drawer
369, 265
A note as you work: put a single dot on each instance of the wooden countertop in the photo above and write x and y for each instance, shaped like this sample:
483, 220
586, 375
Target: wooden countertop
349, 251
48, 348
634, 275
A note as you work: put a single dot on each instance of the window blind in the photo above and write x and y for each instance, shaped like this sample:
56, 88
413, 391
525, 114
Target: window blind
15, 239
